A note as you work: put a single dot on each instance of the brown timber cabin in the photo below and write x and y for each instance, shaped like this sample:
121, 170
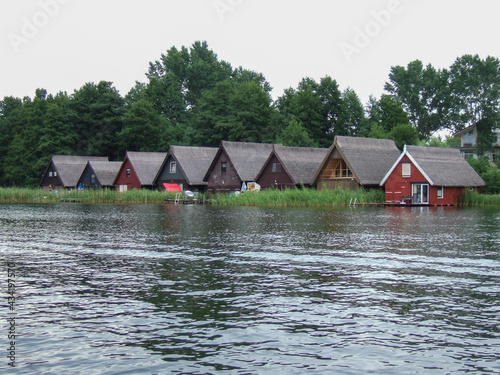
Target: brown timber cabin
290, 166
353, 162
64, 171
235, 163
139, 170
186, 166
99, 175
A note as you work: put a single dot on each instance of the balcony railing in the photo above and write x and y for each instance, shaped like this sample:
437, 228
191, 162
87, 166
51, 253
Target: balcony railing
336, 173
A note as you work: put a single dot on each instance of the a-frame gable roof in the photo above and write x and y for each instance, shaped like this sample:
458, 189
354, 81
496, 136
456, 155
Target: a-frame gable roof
193, 162
105, 171
368, 158
246, 157
145, 164
440, 166
300, 163
71, 167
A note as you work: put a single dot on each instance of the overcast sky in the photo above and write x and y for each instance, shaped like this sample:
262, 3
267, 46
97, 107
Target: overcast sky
60, 45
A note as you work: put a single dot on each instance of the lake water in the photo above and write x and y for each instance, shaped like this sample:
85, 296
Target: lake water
153, 289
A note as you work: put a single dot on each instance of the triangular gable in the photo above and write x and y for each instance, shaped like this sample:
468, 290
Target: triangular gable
413, 161
247, 158
299, 163
144, 164
192, 162
283, 166
440, 166
70, 167
334, 147
367, 158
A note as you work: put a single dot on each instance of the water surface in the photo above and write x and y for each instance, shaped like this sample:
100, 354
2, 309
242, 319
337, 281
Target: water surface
127, 289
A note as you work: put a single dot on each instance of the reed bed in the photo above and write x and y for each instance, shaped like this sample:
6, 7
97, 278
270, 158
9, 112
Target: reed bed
301, 197
26, 195
473, 198
269, 197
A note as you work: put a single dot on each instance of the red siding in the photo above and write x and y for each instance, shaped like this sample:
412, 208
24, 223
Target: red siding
398, 186
268, 178
132, 181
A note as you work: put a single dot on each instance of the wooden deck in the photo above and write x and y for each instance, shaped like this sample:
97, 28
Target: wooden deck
399, 204
185, 201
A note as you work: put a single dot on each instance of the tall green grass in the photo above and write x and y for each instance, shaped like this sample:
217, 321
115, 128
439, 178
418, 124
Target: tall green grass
24, 195
269, 197
473, 198
301, 197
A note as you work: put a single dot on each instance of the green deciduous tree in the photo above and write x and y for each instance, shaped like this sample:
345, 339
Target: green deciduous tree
424, 94
232, 111
475, 88
96, 112
294, 135
9, 114
317, 107
403, 134
144, 128
351, 118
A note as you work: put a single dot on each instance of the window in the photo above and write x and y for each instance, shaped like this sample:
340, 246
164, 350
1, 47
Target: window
406, 168
173, 167
223, 167
276, 168
55, 174
92, 179
342, 170
127, 171
440, 192
420, 193
50, 174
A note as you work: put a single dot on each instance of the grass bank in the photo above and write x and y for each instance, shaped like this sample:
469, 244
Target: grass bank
29, 195
301, 197
475, 199
271, 197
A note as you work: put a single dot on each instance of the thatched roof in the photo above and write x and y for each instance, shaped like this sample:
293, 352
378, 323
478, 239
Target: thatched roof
369, 159
441, 166
247, 157
192, 161
146, 164
105, 171
301, 163
70, 167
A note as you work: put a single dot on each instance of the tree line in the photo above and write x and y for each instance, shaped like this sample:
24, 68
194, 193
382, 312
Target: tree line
190, 97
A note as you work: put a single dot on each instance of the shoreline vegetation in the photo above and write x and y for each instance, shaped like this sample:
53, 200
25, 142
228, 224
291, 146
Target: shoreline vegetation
271, 197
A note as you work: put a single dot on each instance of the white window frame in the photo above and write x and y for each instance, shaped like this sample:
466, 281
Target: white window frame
406, 169
173, 167
440, 192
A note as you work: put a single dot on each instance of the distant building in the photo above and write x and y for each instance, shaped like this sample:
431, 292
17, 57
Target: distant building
290, 166
430, 175
99, 174
139, 170
468, 143
236, 163
64, 171
186, 166
354, 162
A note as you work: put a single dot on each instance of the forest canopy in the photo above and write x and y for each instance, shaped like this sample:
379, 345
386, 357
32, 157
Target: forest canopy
191, 97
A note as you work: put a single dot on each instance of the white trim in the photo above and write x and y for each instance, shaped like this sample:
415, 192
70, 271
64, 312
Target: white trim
386, 177
420, 169
405, 152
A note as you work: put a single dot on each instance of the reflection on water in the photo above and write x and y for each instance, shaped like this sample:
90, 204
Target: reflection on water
198, 289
